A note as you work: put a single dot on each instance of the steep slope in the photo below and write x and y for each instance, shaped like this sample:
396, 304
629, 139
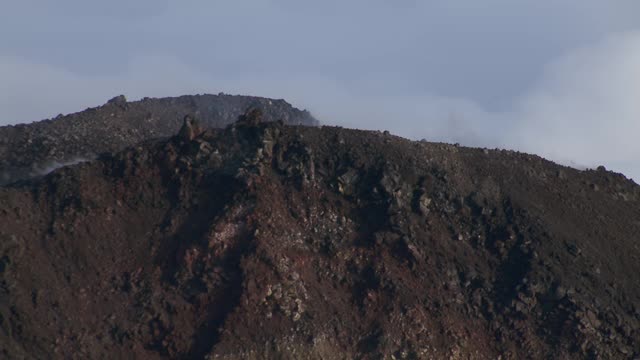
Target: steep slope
275, 241
28, 150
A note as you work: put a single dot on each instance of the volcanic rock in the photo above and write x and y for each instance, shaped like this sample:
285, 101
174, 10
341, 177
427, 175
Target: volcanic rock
287, 242
190, 128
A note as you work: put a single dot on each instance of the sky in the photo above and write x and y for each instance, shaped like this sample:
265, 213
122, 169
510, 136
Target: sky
558, 78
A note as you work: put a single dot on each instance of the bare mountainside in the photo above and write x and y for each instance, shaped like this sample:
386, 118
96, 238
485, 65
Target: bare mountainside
29, 150
263, 240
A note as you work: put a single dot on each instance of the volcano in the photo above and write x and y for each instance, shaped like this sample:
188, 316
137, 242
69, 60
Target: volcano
270, 239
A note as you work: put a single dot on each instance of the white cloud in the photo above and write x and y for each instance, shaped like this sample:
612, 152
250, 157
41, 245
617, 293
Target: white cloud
583, 110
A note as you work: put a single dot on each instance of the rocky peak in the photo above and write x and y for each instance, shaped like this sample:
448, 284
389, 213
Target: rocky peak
191, 128
251, 117
27, 150
120, 101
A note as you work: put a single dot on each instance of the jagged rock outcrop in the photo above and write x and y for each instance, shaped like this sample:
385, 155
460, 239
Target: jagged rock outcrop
29, 150
273, 241
190, 129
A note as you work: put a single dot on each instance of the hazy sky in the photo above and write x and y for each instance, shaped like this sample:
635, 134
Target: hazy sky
560, 78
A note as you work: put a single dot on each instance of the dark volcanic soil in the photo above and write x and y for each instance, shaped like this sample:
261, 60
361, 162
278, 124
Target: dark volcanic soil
29, 150
275, 241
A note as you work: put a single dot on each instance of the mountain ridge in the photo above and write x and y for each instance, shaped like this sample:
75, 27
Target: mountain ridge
28, 150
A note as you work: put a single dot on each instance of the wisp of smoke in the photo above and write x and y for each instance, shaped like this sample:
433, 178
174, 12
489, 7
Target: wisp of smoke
50, 166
